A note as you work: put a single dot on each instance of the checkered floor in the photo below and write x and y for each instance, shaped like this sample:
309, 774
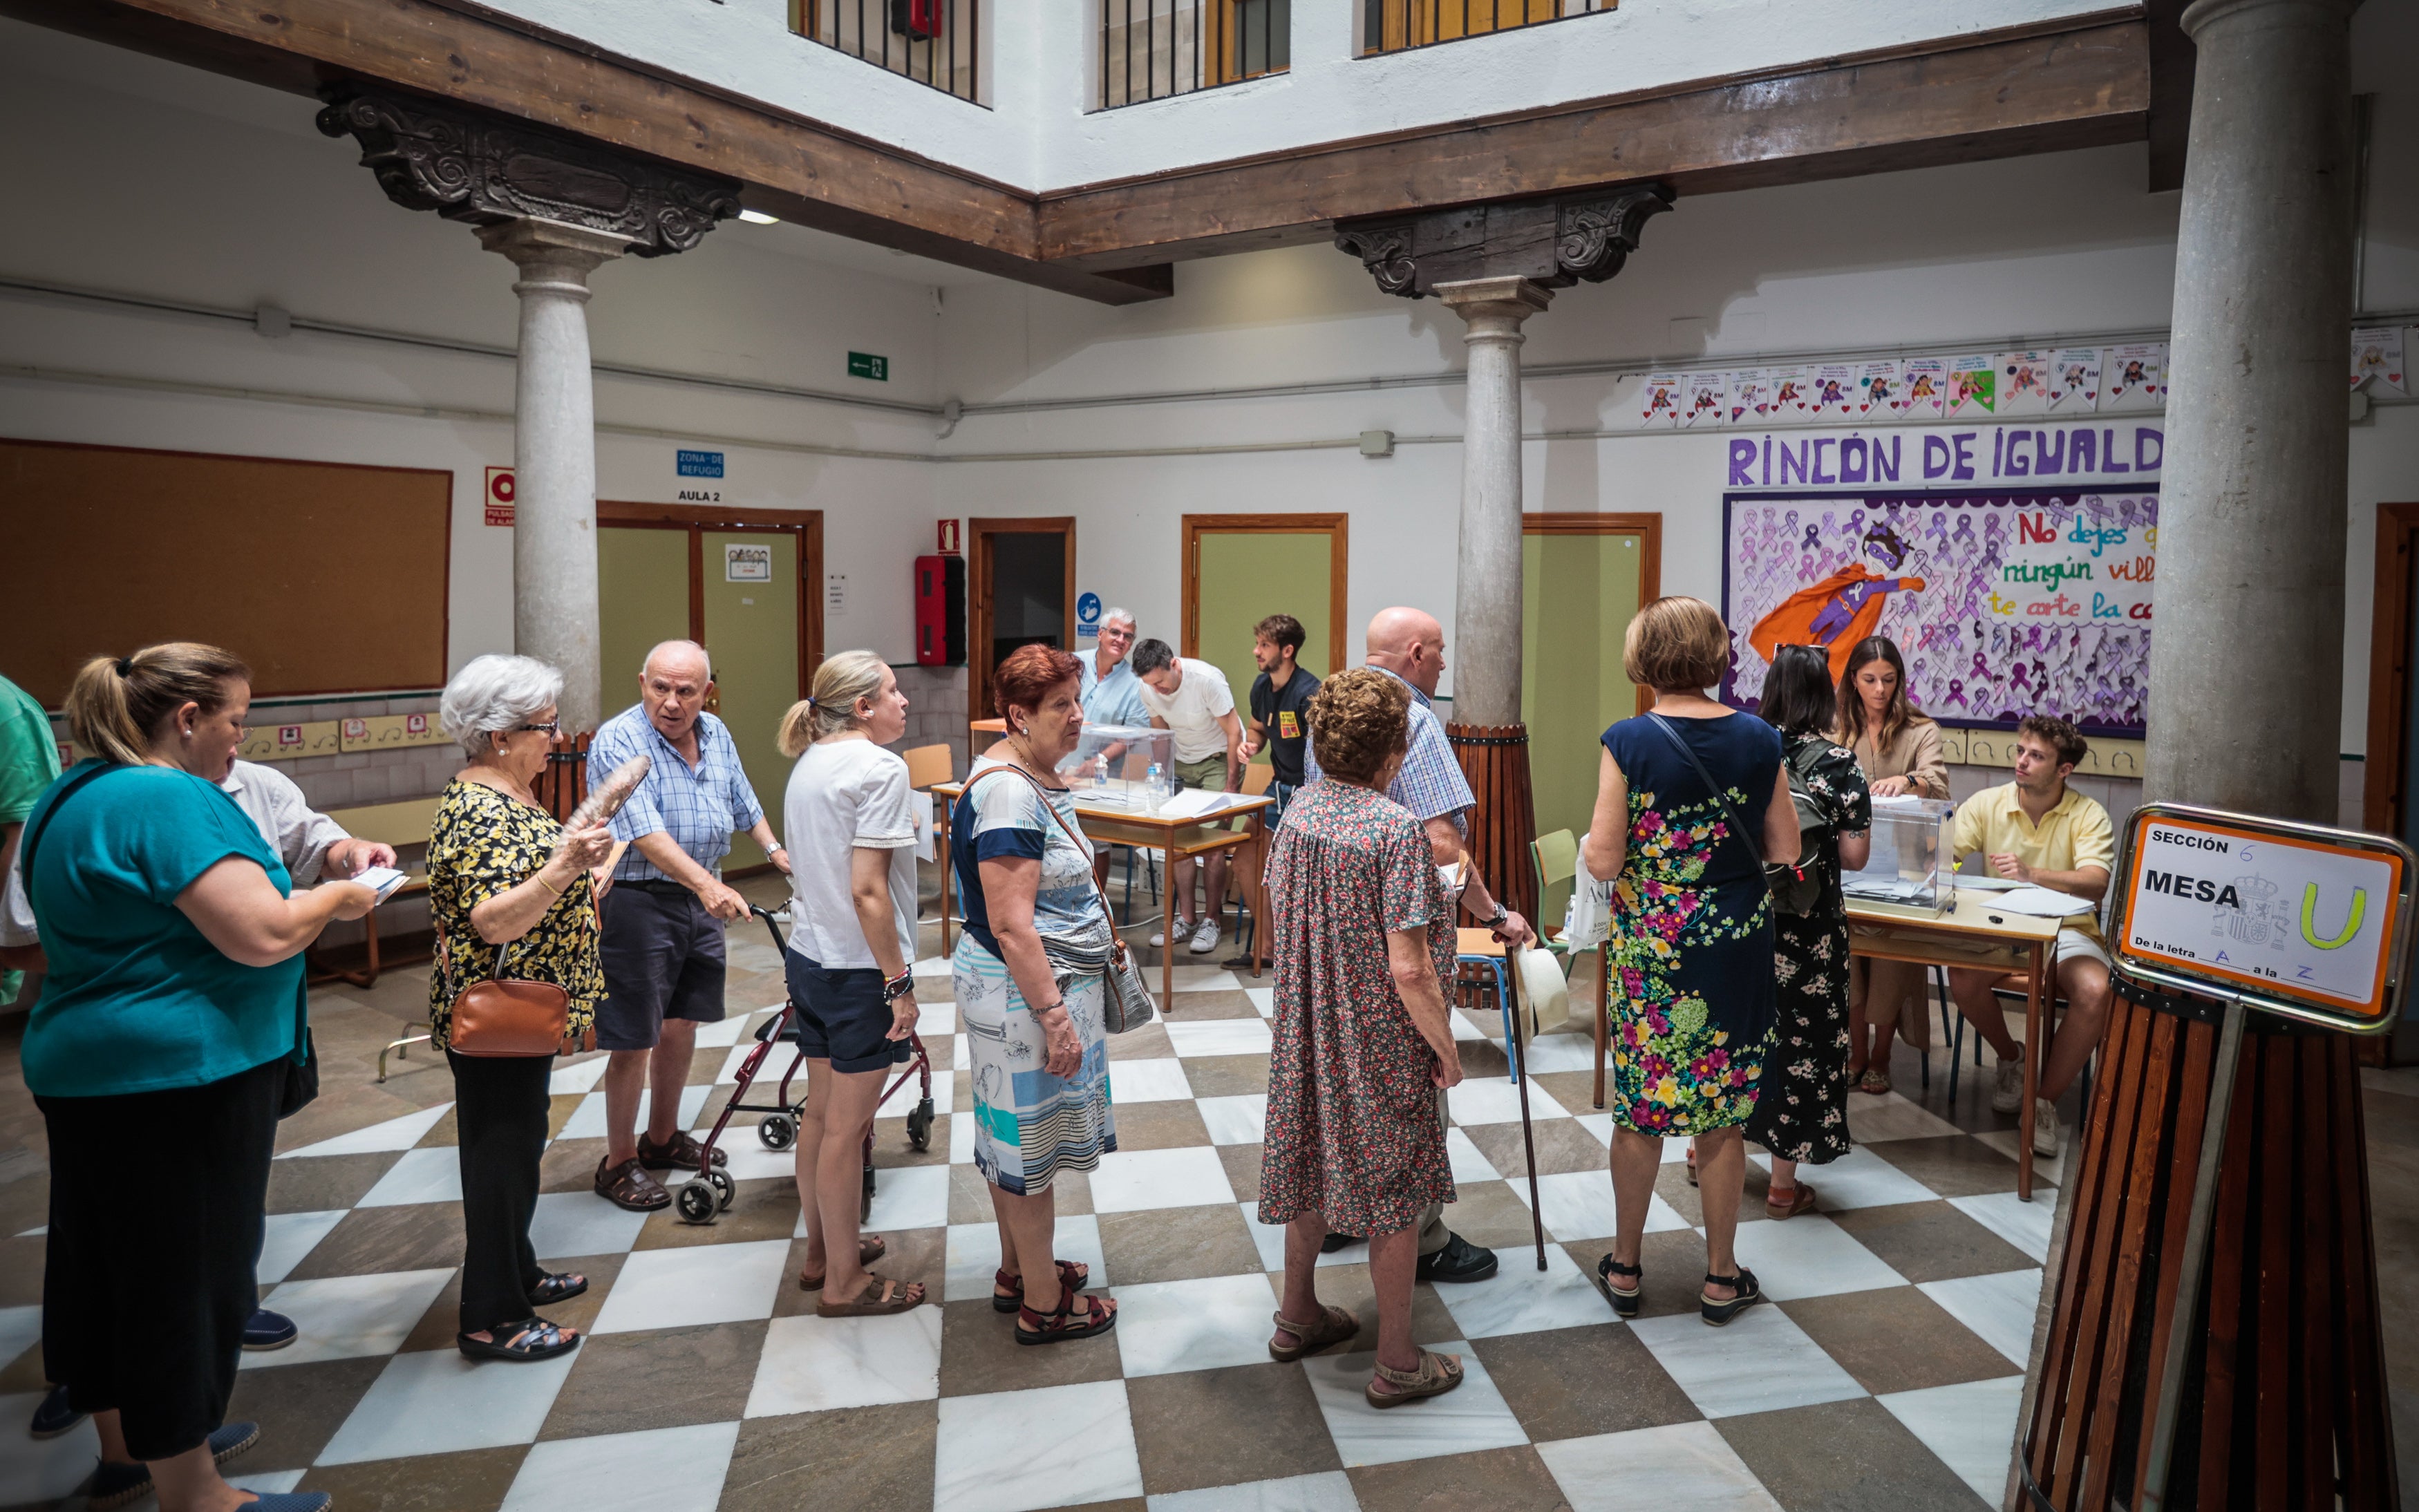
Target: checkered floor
1887, 1374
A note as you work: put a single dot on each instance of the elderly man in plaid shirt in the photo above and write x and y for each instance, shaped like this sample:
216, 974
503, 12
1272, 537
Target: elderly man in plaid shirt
1409, 645
663, 912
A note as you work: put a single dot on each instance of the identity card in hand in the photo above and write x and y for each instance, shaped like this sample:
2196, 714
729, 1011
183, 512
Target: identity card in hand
382, 880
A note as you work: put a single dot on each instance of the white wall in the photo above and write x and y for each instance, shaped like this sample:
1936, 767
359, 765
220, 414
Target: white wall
1042, 67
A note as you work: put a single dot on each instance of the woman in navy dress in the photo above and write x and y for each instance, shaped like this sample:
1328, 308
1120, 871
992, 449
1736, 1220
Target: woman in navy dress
1691, 979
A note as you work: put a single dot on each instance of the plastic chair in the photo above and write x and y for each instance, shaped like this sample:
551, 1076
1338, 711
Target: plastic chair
1258, 777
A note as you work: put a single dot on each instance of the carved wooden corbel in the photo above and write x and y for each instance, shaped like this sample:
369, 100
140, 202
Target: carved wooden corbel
1554, 243
486, 170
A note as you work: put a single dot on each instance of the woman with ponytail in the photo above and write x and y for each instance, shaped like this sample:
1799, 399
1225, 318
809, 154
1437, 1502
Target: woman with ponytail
159, 1056
851, 837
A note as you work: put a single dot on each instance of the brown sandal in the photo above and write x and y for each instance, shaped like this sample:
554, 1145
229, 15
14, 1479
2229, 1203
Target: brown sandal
1060, 1325
1436, 1375
629, 1187
681, 1152
870, 1248
1801, 1201
1334, 1326
1071, 1276
882, 1297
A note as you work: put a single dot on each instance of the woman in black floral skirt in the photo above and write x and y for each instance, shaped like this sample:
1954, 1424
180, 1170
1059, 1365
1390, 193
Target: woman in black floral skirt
1801, 1114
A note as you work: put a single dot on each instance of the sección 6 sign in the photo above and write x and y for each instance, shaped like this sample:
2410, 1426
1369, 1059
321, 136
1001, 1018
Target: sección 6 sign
2280, 916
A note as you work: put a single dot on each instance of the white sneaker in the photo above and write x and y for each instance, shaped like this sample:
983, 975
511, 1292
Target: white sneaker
2046, 1136
1184, 928
2008, 1088
1205, 939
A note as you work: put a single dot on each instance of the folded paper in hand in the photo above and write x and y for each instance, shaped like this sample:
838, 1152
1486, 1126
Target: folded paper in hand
382, 880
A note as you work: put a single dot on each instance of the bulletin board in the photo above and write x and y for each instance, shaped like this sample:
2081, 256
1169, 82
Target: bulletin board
325, 578
2004, 602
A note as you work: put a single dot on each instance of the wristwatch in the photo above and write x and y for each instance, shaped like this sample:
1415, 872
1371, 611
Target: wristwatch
1495, 920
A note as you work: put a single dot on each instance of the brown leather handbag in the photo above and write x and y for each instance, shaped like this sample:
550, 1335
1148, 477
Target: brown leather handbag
508, 1016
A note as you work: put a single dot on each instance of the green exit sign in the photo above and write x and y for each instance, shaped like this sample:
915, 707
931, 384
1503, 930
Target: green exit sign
866, 365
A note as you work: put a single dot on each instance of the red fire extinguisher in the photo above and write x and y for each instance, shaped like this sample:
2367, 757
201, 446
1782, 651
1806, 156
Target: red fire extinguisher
919, 21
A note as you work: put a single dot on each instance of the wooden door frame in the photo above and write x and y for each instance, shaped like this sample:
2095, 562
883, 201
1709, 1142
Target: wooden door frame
695, 519
2382, 801
1648, 527
979, 596
1336, 528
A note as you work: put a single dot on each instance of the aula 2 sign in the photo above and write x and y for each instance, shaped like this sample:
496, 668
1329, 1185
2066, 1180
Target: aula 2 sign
2130, 451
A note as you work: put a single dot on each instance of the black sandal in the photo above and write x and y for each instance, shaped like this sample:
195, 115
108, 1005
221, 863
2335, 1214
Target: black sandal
1072, 1274
1057, 1326
558, 1286
1625, 1301
533, 1339
1719, 1313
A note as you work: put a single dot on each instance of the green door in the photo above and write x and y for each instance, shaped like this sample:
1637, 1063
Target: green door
1578, 593
1244, 578
751, 629
642, 579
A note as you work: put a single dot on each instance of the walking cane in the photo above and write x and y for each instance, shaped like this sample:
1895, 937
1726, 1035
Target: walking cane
1520, 1077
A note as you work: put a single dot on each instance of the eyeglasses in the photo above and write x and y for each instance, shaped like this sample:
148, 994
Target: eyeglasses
552, 726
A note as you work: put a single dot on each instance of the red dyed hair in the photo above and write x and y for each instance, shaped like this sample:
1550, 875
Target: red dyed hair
1028, 675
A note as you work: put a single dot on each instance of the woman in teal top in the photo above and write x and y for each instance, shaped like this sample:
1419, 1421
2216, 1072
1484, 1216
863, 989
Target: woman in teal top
158, 1055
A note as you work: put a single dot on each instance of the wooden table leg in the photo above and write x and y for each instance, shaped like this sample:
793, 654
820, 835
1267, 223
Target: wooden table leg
1167, 929
369, 941
2034, 1050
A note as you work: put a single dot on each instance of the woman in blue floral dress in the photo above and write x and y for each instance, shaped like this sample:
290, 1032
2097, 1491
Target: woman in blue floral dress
1690, 801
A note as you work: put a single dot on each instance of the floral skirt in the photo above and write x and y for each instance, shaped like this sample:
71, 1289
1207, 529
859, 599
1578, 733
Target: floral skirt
1802, 1112
1030, 1125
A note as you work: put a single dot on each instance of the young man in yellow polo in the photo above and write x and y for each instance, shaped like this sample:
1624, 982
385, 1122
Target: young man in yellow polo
2038, 830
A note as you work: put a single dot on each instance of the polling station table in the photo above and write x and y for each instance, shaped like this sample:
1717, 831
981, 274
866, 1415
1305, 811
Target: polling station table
1973, 933
1182, 837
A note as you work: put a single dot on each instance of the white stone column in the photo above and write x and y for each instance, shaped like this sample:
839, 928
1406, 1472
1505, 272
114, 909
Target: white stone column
2246, 670
1485, 659
555, 615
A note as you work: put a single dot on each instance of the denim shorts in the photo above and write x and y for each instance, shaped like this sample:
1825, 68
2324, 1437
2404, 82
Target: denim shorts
840, 1016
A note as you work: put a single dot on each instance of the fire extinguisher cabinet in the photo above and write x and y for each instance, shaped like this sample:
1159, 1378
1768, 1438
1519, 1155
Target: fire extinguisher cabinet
940, 611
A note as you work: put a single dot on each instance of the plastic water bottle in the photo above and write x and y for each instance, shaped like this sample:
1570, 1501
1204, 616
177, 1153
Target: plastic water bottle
1151, 787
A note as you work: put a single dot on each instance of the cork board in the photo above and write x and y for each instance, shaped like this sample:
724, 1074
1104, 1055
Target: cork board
326, 578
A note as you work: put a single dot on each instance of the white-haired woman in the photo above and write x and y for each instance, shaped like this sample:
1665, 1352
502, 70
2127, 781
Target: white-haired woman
501, 872
852, 841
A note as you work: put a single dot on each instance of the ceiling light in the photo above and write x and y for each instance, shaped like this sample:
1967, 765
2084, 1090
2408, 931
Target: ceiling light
759, 218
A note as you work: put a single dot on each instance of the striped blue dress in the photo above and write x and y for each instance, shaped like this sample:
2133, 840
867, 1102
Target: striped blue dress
1029, 1125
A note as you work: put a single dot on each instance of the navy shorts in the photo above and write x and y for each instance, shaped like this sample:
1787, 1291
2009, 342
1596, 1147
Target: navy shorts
663, 959
840, 1015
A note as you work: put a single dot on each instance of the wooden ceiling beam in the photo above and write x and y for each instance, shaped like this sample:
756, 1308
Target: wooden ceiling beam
2037, 89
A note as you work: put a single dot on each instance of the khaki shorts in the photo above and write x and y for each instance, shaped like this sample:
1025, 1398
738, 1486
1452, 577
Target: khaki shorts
1208, 774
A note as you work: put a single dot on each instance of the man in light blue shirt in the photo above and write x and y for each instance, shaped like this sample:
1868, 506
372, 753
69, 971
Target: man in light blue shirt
663, 912
1111, 692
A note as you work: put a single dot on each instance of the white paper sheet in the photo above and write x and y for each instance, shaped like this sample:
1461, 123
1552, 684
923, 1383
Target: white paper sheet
1192, 803
2043, 904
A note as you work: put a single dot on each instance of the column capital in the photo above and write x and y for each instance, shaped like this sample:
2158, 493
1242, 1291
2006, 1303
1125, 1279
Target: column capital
1500, 302
560, 250
470, 165
1552, 243
2201, 13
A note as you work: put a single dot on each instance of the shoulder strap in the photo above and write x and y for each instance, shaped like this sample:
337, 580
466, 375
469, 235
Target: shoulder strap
1052, 810
1738, 824
32, 836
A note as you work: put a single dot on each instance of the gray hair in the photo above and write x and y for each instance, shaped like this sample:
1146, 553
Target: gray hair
492, 694
1125, 615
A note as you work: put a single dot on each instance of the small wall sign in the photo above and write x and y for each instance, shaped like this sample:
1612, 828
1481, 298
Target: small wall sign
742, 563
500, 497
866, 365
698, 464
949, 537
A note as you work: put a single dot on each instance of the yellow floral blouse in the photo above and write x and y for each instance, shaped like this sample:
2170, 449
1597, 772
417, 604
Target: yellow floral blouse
484, 844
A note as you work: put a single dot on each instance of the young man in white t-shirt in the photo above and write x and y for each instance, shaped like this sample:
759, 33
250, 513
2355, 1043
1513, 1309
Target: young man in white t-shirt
1192, 699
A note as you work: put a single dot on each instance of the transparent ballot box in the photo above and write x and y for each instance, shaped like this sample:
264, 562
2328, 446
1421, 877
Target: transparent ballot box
1910, 864
1122, 767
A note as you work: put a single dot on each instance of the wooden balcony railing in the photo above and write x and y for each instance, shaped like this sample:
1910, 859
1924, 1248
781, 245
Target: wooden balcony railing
935, 43
1153, 49
1395, 26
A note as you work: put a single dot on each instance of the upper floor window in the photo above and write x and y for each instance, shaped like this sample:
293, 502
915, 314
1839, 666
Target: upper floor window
935, 43
1153, 49
1392, 25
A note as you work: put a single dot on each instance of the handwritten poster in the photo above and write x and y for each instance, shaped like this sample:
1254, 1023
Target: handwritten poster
2014, 566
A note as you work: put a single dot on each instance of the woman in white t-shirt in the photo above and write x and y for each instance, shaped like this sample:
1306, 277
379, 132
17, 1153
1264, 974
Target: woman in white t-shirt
850, 837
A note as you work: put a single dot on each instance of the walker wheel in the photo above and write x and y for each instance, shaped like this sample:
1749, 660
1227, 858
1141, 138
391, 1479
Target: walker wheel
695, 1200
865, 1207
919, 1126
725, 1191
778, 1131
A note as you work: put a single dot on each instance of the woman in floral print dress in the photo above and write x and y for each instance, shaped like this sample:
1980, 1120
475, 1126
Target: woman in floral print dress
1363, 1045
1801, 1113
1691, 989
